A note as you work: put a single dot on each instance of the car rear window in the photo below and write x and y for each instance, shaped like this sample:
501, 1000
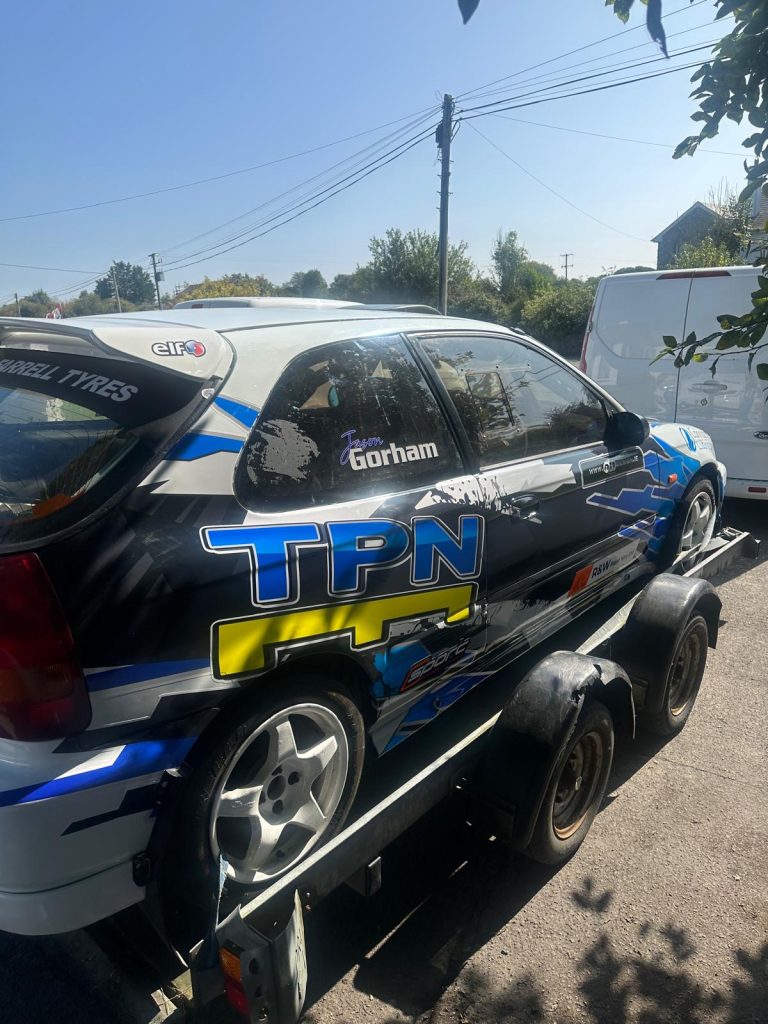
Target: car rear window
73, 429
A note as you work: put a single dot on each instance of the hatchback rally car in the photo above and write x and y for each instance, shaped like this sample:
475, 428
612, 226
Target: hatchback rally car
251, 543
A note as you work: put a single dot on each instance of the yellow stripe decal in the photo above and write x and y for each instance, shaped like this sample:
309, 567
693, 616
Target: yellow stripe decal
240, 645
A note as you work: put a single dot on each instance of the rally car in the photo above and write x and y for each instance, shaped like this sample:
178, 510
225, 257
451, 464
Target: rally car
256, 546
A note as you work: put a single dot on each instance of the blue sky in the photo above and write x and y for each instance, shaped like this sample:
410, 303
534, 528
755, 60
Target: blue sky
100, 101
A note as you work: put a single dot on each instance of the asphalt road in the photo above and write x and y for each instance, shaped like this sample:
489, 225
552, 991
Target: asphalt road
661, 916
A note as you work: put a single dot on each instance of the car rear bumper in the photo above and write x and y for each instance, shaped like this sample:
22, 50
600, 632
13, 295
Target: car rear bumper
754, 489
70, 906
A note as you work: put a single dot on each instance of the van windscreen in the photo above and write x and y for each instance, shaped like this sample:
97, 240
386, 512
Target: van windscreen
69, 422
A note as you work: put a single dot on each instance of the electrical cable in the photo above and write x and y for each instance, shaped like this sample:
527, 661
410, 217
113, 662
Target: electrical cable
379, 144
570, 53
205, 181
552, 190
320, 202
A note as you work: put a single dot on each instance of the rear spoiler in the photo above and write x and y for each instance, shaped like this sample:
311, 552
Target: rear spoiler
191, 351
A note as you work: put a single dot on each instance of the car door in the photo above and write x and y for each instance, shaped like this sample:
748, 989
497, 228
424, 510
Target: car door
567, 517
365, 526
729, 404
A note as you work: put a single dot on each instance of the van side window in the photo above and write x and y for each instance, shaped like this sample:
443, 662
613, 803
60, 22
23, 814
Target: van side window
346, 420
514, 401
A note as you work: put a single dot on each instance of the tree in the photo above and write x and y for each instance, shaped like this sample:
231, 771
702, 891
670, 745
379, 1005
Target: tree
37, 303
706, 253
632, 270
558, 315
230, 284
308, 284
90, 304
480, 300
133, 283
355, 287
508, 257
404, 267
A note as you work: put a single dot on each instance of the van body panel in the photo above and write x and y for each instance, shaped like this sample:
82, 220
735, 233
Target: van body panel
633, 313
729, 405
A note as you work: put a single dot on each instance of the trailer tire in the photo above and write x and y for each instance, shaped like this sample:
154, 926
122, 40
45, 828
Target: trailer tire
681, 686
568, 809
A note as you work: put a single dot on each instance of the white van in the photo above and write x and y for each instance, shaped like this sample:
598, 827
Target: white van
630, 316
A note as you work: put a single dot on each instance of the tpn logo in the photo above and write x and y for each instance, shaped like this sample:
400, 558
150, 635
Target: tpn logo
179, 348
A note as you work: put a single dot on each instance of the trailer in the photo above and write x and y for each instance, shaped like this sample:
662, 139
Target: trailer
644, 657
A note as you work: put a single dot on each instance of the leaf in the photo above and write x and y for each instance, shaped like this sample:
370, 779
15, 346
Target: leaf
691, 338
669, 341
655, 27
468, 8
762, 371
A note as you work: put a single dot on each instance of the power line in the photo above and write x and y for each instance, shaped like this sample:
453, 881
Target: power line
570, 53
628, 66
578, 92
301, 202
347, 163
552, 190
63, 270
380, 163
551, 76
205, 181
613, 138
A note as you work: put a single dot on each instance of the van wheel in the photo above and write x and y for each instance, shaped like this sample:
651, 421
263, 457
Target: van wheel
692, 526
277, 778
576, 790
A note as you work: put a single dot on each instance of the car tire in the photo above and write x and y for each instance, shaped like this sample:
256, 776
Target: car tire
683, 680
285, 766
576, 789
692, 525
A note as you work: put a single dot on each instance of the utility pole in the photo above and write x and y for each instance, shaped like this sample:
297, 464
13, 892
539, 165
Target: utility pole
443, 137
114, 285
18, 304
158, 275
565, 256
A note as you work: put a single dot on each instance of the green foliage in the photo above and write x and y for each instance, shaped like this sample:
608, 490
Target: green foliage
92, 304
558, 315
480, 300
307, 284
133, 283
706, 253
632, 270
230, 284
404, 267
355, 287
507, 257
37, 303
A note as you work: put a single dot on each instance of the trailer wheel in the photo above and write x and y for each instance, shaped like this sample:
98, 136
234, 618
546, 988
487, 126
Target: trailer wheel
577, 788
681, 687
692, 526
275, 778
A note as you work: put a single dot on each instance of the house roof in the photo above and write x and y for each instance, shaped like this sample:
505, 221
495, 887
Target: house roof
696, 206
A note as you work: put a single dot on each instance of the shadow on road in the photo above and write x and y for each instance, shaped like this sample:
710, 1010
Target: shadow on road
448, 892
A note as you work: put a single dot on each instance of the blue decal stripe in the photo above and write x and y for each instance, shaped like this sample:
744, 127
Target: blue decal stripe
127, 674
137, 759
197, 446
242, 413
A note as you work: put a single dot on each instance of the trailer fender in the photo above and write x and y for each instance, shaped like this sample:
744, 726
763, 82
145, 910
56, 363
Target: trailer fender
646, 645
533, 730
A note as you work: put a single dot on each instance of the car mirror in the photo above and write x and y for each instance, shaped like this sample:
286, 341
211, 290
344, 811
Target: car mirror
625, 429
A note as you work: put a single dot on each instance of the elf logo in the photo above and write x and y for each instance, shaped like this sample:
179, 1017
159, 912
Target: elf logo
179, 348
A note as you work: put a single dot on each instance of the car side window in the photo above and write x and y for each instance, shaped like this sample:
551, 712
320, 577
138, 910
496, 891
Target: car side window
346, 420
514, 401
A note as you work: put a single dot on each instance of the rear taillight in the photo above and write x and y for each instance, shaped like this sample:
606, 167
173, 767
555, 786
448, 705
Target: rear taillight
42, 690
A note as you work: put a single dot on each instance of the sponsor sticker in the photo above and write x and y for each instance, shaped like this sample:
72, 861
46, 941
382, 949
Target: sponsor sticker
179, 348
605, 467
